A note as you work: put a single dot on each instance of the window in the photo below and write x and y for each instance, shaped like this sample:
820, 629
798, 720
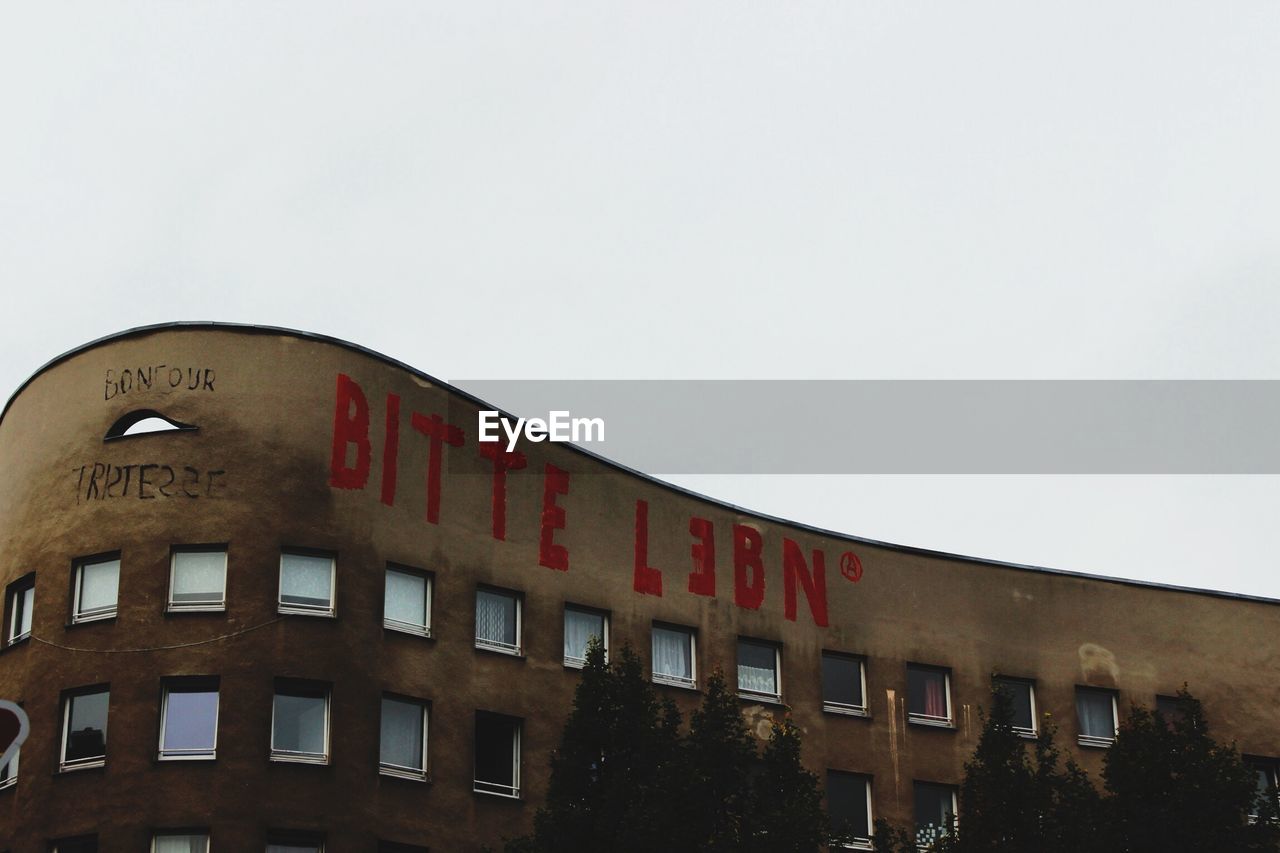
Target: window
403, 745
396, 847
406, 601
198, 579
935, 812
84, 728
1170, 709
759, 671
20, 601
1096, 710
1266, 772
849, 805
180, 842
580, 625
306, 583
9, 772
189, 719
300, 723
497, 754
294, 843
673, 656
1022, 698
498, 621
97, 585
928, 695
79, 844
844, 684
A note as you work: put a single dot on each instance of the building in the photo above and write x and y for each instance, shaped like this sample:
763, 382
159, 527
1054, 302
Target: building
314, 612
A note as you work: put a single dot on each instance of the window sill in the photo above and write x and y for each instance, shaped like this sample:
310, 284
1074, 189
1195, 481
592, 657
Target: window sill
846, 710
1026, 734
672, 682
856, 845
499, 650
87, 620
502, 795
202, 757
404, 775
87, 765
196, 608
931, 722
411, 630
321, 761
295, 611
11, 782
16, 641
1095, 742
763, 698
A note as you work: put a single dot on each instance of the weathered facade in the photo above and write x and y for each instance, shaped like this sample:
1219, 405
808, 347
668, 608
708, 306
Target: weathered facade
347, 463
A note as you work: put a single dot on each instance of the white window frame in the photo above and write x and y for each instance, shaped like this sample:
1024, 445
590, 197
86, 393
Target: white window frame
416, 773
1033, 732
579, 663
190, 754
102, 612
859, 843
308, 609
68, 699
773, 698
690, 683
512, 792
290, 756
196, 606
428, 592
18, 607
840, 707
156, 836
1094, 740
921, 719
10, 770
494, 645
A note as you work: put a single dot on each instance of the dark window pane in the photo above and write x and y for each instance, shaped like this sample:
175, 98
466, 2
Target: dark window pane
927, 692
77, 845
842, 680
934, 807
757, 671
1096, 713
495, 753
1019, 693
190, 722
394, 847
401, 744
299, 723
847, 804
87, 726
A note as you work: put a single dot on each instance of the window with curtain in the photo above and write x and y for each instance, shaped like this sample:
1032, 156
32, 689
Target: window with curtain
180, 842
842, 687
928, 695
1096, 712
673, 656
21, 601
198, 579
300, 724
1022, 697
306, 583
406, 601
758, 669
189, 719
403, 742
497, 755
97, 589
84, 728
935, 806
1266, 774
849, 807
498, 621
580, 625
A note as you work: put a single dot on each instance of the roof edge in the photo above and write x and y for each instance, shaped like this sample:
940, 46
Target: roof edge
139, 331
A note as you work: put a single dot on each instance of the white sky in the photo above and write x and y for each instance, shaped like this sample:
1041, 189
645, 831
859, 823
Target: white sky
738, 190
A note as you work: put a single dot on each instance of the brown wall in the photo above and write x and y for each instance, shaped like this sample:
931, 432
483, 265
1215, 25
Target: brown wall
267, 423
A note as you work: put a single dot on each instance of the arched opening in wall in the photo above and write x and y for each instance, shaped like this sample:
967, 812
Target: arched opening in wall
145, 422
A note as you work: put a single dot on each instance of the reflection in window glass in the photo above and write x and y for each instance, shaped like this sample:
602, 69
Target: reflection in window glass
189, 727
300, 725
84, 734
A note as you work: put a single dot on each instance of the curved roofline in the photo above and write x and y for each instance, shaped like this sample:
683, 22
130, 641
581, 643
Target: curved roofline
138, 331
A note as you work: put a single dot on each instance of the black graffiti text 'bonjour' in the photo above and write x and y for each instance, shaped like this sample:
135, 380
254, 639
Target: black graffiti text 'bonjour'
157, 377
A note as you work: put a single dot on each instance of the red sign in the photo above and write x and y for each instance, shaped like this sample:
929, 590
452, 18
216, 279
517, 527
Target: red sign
14, 728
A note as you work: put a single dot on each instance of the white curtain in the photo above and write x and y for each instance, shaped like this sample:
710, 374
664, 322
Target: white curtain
579, 628
405, 598
756, 669
1097, 716
496, 618
182, 844
305, 579
671, 654
99, 585
199, 575
402, 734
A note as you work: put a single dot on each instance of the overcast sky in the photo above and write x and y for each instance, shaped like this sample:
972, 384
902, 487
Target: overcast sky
712, 190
